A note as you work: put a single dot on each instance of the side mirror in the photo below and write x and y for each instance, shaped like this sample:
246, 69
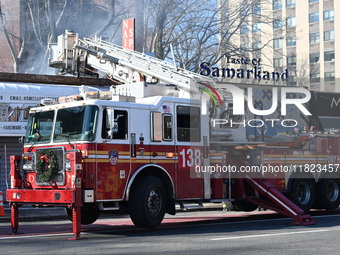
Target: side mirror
112, 122
113, 129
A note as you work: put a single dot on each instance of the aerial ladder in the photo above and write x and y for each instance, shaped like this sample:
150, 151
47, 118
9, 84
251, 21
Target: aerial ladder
94, 56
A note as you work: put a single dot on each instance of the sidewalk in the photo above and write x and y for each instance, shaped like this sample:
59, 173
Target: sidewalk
30, 213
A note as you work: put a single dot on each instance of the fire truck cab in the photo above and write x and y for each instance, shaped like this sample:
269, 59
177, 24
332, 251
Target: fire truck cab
136, 150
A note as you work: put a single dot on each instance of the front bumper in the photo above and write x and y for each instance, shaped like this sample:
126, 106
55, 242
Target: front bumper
40, 196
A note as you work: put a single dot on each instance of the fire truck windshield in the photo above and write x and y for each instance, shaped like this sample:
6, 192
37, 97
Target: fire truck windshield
39, 127
74, 123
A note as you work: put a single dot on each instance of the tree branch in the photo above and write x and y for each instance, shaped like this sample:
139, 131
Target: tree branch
9, 42
111, 10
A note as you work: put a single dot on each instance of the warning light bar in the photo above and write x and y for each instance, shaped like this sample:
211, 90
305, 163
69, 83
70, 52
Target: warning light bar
103, 95
68, 99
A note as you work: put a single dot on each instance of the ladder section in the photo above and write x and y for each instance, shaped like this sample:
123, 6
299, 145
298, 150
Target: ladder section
265, 194
141, 61
76, 55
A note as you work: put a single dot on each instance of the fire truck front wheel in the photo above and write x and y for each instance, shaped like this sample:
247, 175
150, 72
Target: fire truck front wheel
302, 193
147, 203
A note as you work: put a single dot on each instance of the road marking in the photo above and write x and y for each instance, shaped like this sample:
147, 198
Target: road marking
244, 221
20, 236
267, 235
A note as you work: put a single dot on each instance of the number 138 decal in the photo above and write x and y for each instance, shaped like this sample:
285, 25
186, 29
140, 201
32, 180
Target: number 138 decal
189, 157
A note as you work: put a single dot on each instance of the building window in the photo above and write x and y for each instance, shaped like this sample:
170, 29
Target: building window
292, 81
277, 24
314, 58
244, 30
329, 35
313, 1
314, 17
291, 22
277, 43
329, 56
277, 4
257, 9
315, 77
291, 41
256, 45
328, 15
278, 62
291, 61
244, 46
329, 76
314, 37
290, 3
256, 27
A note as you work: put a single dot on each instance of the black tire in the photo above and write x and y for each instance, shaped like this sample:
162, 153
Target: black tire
147, 202
239, 205
89, 213
302, 193
328, 194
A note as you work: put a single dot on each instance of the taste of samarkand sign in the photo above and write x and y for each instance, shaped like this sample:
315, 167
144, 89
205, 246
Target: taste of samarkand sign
253, 72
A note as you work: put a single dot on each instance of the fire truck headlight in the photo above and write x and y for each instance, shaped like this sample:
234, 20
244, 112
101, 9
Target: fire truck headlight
68, 161
28, 167
68, 165
17, 195
29, 162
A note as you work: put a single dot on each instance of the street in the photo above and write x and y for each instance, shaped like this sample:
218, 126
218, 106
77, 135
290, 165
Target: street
186, 233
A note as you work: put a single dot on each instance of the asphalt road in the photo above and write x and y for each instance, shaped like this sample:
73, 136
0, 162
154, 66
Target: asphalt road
179, 236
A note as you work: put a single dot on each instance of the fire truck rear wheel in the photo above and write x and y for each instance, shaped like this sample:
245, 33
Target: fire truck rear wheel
328, 194
147, 203
302, 193
89, 213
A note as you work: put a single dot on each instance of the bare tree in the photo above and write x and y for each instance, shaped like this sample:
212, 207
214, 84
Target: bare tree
44, 20
302, 74
200, 30
197, 30
10, 42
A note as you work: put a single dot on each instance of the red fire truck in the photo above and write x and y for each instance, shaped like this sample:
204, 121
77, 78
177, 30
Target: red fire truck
149, 143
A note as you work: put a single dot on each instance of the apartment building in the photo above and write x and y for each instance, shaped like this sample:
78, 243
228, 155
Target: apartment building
302, 36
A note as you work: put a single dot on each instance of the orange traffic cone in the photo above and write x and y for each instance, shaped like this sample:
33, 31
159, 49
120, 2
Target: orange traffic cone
2, 210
